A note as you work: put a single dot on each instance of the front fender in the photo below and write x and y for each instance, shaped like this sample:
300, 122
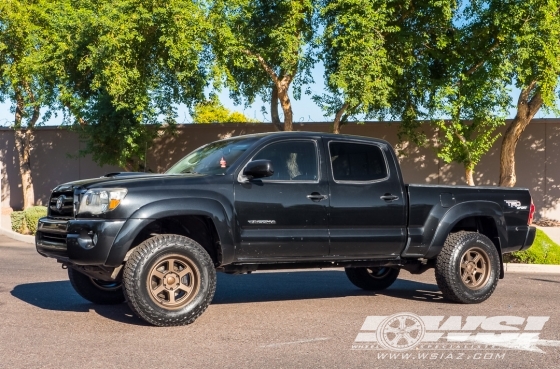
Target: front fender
213, 209
462, 211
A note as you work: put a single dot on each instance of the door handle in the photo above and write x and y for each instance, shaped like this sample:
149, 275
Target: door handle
389, 197
316, 196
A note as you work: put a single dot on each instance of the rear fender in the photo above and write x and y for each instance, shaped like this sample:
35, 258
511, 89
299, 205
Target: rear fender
466, 210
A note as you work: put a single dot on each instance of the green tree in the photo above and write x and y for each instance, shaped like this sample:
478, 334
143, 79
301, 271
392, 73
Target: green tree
23, 78
125, 65
531, 45
212, 111
446, 79
264, 47
358, 70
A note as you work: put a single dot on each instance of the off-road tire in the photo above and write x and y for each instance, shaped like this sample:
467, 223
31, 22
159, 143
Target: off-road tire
372, 279
449, 270
141, 266
96, 291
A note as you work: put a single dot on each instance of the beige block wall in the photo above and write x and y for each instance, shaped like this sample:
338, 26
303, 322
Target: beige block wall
54, 158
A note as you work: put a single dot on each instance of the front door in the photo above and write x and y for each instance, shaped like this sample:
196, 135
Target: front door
285, 216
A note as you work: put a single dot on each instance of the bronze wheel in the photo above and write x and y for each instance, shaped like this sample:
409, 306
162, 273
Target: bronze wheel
468, 267
173, 281
475, 268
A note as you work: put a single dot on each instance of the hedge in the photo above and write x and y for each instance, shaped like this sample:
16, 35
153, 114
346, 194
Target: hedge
25, 222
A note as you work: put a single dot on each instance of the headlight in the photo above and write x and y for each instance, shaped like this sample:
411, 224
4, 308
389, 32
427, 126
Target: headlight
100, 201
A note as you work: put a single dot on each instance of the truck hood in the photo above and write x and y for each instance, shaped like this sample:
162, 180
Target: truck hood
117, 180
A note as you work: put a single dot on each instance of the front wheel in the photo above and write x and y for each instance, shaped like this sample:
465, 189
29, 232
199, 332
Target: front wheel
169, 280
468, 267
373, 278
95, 290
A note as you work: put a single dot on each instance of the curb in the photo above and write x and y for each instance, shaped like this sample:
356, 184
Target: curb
18, 237
531, 268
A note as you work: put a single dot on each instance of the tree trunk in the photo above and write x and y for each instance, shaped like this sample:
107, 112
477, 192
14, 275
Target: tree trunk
286, 107
23, 146
469, 171
22, 140
526, 110
274, 109
338, 118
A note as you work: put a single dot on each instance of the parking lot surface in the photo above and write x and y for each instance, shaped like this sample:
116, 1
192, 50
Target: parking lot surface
298, 319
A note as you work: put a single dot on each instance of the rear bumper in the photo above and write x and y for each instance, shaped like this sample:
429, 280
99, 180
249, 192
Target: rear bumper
530, 238
72, 241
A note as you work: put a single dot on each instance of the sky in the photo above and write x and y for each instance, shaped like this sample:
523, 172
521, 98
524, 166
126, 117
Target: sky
305, 110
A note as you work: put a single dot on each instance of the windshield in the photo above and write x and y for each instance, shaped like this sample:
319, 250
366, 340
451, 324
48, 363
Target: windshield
213, 158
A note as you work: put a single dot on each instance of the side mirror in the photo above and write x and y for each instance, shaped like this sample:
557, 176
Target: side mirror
258, 169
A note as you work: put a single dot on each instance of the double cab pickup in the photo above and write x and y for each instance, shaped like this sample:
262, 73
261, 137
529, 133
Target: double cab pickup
276, 201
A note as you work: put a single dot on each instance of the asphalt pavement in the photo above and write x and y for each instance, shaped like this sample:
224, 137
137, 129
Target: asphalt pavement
301, 319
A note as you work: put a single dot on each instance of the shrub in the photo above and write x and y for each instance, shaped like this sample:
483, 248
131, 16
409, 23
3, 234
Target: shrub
32, 216
543, 251
18, 221
25, 222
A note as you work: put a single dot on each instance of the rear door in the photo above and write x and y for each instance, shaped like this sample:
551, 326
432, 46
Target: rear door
367, 215
285, 216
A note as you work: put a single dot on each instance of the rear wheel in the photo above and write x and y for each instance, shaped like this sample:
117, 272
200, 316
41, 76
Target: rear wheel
95, 290
374, 278
468, 267
169, 280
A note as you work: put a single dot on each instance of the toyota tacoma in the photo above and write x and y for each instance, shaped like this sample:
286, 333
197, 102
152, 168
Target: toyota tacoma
276, 201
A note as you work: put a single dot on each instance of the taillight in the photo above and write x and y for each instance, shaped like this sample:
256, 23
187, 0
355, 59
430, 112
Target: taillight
531, 213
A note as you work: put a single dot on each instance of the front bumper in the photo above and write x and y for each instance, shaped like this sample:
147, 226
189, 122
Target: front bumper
72, 241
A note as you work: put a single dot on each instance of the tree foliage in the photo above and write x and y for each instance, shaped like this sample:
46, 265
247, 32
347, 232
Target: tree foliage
24, 79
125, 65
443, 78
358, 69
212, 111
264, 47
531, 45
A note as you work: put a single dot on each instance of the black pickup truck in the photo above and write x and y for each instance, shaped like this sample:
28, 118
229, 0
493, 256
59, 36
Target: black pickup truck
276, 201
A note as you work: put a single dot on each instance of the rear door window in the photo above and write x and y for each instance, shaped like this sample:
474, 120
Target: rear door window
357, 162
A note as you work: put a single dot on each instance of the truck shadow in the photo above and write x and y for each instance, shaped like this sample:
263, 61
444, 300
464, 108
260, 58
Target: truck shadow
60, 296
303, 285
231, 289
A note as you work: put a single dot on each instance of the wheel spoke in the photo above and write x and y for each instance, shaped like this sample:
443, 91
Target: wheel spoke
396, 339
156, 273
184, 287
408, 339
413, 327
402, 323
171, 297
156, 291
477, 258
390, 329
185, 271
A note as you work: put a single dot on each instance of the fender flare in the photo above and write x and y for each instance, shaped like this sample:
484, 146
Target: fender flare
465, 210
210, 208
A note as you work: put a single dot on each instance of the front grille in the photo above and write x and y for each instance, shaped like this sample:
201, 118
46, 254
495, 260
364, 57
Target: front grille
53, 239
67, 202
